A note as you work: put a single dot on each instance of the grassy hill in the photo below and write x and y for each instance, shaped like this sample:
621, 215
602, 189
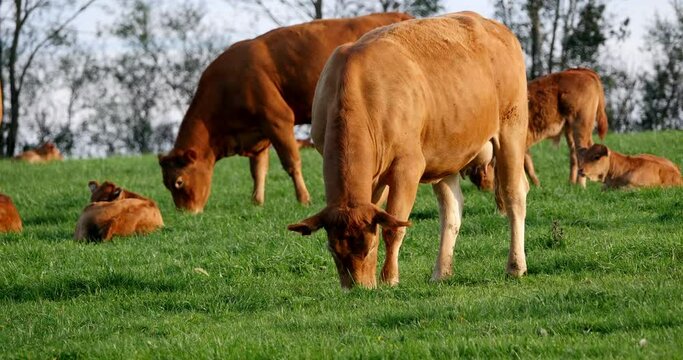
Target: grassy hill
605, 272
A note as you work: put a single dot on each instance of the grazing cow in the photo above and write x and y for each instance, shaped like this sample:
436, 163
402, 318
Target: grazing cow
9, 216
251, 96
42, 154
568, 102
120, 213
108, 191
616, 170
416, 102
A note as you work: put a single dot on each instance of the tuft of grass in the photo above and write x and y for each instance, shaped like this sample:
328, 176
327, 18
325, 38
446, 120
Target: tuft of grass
604, 272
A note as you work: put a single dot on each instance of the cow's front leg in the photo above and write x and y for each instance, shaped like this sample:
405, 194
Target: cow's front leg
402, 191
258, 164
280, 130
449, 197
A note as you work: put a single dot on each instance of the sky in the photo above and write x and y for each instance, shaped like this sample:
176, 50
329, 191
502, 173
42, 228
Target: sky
628, 54
247, 23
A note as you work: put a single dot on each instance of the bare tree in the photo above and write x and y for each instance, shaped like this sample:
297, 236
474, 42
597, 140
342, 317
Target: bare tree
29, 37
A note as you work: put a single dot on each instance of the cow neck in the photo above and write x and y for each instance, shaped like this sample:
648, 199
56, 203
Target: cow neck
349, 165
617, 165
195, 132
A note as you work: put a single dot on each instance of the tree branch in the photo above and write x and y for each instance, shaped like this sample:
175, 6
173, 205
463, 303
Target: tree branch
47, 39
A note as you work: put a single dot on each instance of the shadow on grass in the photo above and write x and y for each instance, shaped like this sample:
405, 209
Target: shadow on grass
69, 288
424, 214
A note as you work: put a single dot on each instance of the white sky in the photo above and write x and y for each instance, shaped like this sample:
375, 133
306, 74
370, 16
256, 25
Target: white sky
640, 12
247, 24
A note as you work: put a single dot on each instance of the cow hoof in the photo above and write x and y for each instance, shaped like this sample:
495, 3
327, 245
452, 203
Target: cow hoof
257, 201
515, 271
440, 276
390, 280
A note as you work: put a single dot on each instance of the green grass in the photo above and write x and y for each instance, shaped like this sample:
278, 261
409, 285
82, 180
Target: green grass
604, 272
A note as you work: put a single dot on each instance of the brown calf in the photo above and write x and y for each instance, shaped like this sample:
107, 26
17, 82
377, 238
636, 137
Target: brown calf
122, 213
252, 95
616, 170
108, 191
569, 102
416, 102
9, 216
42, 154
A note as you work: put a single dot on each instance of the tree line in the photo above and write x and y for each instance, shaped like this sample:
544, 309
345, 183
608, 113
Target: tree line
125, 87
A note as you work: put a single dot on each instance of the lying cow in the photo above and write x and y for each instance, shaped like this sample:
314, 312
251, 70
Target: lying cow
119, 213
616, 170
42, 154
9, 216
108, 191
416, 102
251, 96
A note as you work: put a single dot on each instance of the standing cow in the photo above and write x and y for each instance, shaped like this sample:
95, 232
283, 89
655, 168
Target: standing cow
409, 103
250, 97
569, 102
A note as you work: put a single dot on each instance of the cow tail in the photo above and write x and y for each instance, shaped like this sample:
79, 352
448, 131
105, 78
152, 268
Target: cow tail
601, 115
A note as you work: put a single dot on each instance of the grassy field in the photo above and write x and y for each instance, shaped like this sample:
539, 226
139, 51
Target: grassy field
605, 272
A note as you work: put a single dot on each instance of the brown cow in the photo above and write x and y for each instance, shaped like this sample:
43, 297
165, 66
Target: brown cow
616, 170
108, 191
568, 102
42, 154
9, 216
416, 102
251, 96
121, 213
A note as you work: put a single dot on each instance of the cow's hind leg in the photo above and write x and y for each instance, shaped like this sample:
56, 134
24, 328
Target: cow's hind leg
279, 127
529, 168
258, 164
450, 199
512, 186
573, 158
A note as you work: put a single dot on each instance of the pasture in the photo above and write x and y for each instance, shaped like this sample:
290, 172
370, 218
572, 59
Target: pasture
605, 271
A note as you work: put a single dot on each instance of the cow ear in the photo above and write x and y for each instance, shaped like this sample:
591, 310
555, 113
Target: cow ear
388, 221
307, 226
161, 158
602, 150
93, 185
190, 156
116, 193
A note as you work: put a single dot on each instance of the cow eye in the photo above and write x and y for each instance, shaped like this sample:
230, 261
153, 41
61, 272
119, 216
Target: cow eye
179, 183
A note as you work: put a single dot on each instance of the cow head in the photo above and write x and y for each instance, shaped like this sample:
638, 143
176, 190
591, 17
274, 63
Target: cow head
106, 192
481, 176
49, 151
594, 162
188, 178
352, 239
